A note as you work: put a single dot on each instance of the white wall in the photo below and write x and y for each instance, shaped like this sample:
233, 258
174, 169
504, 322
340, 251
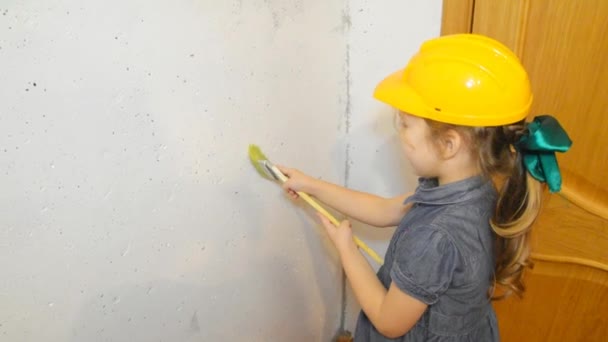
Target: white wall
129, 209
382, 38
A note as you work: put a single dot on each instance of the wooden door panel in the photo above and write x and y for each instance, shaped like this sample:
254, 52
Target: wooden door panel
565, 50
563, 302
565, 229
507, 22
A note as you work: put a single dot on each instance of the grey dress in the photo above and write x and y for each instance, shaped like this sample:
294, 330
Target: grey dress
442, 254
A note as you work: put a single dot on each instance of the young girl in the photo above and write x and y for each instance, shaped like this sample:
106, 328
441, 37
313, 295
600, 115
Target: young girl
462, 102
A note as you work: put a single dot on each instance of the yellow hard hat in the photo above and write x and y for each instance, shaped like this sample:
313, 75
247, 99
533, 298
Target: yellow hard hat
462, 79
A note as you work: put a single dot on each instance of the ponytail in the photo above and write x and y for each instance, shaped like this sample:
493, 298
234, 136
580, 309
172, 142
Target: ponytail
516, 211
532, 147
517, 205
500, 153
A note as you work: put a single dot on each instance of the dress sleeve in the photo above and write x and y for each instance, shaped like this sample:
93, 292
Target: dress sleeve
424, 263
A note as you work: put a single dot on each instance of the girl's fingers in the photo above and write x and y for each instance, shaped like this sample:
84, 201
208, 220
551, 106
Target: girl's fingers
327, 223
288, 184
286, 171
331, 230
324, 219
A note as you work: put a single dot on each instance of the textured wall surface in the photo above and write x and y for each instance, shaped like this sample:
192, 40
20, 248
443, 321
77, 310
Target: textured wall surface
382, 38
129, 210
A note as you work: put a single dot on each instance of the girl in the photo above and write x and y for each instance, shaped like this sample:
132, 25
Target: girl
462, 103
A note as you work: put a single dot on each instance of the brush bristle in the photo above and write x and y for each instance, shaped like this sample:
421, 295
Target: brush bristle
256, 155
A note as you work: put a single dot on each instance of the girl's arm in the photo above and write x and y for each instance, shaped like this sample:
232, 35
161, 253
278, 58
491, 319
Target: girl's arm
392, 312
367, 208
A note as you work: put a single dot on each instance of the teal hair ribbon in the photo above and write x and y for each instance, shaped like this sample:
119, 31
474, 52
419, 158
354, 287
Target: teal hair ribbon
545, 137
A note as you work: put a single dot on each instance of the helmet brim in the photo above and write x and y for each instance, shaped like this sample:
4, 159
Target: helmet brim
396, 93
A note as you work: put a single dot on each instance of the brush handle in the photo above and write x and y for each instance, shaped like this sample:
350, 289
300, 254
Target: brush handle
362, 245
306, 197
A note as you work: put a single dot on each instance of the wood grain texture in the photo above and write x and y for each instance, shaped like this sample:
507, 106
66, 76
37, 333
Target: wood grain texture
562, 303
566, 48
567, 291
585, 194
457, 16
565, 229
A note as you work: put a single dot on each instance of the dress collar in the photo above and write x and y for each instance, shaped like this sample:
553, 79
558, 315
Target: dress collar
430, 192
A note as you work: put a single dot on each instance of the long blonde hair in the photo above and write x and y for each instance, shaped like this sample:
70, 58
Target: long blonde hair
519, 197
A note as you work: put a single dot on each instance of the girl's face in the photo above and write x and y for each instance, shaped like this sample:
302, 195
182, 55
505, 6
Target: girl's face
414, 134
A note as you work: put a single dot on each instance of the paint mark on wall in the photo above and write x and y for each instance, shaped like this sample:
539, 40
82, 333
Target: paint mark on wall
281, 11
194, 326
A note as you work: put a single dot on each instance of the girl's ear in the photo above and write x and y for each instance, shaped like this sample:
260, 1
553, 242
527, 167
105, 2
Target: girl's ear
452, 143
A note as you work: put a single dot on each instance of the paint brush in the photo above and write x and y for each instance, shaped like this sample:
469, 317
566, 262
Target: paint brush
268, 170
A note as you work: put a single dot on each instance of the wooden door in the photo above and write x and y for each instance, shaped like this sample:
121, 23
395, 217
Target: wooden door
564, 46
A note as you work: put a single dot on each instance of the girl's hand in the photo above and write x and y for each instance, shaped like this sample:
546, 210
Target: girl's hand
297, 181
341, 236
